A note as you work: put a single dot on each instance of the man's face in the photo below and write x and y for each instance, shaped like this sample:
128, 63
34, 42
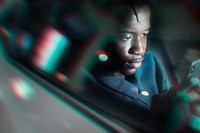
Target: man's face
132, 40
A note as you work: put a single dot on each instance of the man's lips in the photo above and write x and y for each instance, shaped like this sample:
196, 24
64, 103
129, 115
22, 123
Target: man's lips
136, 63
136, 60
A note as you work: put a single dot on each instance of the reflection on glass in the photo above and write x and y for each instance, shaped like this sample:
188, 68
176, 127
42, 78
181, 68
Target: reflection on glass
49, 49
22, 89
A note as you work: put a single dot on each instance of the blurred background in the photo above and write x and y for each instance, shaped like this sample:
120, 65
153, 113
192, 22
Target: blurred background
66, 25
55, 38
177, 26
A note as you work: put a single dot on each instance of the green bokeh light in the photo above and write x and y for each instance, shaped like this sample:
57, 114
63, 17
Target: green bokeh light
195, 123
103, 57
194, 81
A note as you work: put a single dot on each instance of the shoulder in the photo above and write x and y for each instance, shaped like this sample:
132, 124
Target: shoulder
149, 62
149, 57
148, 68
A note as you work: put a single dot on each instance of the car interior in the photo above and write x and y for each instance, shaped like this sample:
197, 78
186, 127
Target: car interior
54, 43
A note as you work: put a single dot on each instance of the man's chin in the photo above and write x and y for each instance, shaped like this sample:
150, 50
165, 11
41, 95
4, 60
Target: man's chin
129, 72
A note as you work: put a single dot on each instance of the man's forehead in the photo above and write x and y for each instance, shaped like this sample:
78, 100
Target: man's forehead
139, 15
141, 21
134, 24
142, 16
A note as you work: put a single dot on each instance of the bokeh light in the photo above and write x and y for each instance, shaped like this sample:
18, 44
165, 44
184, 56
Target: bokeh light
49, 50
24, 41
102, 55
22, 89
195, 123
66, 124
58, 75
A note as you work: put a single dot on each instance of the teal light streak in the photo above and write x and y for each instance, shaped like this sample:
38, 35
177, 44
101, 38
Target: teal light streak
67, 124
195, 123
55, 55
28, 92
23, 90
27, 42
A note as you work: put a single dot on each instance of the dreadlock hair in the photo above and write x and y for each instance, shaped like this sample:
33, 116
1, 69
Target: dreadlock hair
109, 5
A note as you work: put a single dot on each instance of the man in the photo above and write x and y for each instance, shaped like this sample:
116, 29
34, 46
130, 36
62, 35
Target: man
131, 74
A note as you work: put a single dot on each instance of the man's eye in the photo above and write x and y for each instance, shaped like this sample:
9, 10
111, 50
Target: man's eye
144, 35
125, 38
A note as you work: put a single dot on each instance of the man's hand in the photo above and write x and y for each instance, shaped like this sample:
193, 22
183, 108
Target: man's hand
179, 105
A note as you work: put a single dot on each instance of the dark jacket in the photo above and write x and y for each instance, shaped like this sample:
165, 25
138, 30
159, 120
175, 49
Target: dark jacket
148, 79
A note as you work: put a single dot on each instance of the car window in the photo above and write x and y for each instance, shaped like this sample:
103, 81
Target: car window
63, 41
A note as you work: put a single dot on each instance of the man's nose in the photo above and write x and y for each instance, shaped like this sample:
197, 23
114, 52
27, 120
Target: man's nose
136, 47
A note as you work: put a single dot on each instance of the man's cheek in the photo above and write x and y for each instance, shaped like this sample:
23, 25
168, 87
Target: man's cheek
121, 52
